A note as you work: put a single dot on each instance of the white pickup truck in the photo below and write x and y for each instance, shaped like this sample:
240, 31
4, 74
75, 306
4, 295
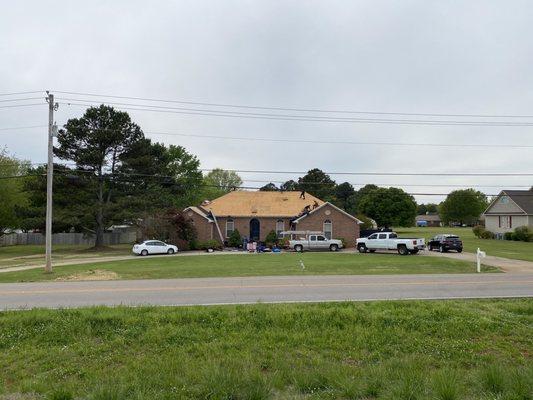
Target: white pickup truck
390, 241
315, 242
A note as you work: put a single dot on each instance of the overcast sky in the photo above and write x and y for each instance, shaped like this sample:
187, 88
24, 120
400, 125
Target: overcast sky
473, 57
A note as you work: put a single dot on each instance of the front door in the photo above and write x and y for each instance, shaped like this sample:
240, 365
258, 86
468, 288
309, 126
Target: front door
255, 228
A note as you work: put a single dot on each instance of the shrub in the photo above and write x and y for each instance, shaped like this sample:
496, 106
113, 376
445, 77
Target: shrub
482, 233
271, 239
487, 235
478, 229
508, 235
210, 244
343, 241
522, 234
235, 239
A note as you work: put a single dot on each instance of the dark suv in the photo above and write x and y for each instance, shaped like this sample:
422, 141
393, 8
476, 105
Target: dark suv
443, 243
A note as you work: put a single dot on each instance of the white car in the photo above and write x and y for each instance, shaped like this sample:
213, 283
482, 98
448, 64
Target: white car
154, 247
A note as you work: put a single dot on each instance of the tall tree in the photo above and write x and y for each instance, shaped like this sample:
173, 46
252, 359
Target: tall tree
97, 143
429, 208
389, 207
463, 206
219, 182
354, 200
289, 186
343, 192
269, 187
318, 183
12, 194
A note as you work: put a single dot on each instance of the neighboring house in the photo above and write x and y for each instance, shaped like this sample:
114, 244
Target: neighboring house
255, 213
428, 220
509, 210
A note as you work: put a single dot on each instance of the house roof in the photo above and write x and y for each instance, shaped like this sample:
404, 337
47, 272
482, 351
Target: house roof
522, 198
428, 217
331, 205
242, 203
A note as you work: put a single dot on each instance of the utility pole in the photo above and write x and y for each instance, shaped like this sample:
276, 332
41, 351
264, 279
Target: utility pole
49, 179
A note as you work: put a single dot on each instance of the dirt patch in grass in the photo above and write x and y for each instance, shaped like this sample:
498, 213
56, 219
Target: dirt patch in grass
90, 275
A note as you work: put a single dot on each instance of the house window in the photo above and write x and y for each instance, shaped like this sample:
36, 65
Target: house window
504, 200
280, 226
328, 228
505, 221
230, 227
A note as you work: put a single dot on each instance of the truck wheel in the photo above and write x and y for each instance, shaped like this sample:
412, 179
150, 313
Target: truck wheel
442, 249
362, 248
299, 248
333, 247
402, 250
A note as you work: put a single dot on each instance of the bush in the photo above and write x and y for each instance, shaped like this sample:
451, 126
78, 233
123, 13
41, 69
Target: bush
343, 241
522, 234
508, 235
271, 239
235, 239
487, 235
210, 244
478, 229
482, 233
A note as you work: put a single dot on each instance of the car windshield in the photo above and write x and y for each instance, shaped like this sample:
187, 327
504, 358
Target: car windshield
452, 237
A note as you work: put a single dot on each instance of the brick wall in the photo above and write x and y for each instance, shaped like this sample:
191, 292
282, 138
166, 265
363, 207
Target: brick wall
205, 230
343, 226
242, 224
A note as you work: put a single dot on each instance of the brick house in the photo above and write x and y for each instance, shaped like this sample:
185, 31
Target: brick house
255, 213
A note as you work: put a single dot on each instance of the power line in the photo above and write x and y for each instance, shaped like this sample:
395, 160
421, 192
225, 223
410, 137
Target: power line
12, 128
380, 173
327, 142
17, 93
306, 118
407, 144
120, 178
19, 99
23, 105
399, 184
294, 109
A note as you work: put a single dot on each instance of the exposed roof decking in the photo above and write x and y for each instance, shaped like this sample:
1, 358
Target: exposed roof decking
261, 204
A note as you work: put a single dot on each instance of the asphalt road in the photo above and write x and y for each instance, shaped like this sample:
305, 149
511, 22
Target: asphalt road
205, 291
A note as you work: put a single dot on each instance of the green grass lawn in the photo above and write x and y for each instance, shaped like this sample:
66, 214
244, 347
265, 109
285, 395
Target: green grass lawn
11, 256
250, 265
499, 248
443, 350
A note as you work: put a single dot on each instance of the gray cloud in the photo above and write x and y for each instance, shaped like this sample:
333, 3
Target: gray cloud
411, 56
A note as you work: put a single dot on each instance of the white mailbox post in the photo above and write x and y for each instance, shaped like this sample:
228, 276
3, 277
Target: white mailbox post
479, 255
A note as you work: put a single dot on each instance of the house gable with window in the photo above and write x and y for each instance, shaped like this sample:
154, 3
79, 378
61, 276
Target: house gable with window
256, 213
509, 210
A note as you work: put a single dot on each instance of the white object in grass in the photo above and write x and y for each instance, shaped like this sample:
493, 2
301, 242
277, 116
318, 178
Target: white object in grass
479, 255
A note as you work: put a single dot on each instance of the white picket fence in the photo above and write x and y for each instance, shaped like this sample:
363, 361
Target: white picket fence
66, 238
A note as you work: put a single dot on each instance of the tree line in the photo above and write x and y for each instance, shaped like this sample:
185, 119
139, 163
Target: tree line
112, 174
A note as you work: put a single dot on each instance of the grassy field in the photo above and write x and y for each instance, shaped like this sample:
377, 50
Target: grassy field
21, 255
500, 248
443, 350
248, 265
